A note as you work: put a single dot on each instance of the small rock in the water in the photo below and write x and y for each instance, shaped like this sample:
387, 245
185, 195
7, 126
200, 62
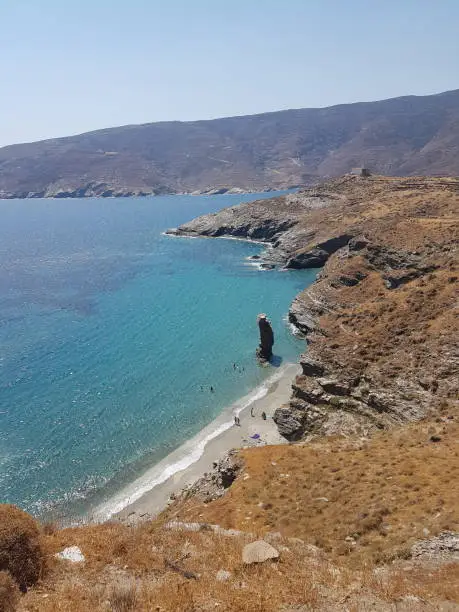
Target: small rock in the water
259, 551
223, 575
72, 553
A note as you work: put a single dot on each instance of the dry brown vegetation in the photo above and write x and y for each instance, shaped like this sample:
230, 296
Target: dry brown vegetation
20, 551
385, 314
9, 592
343, 511
364, 502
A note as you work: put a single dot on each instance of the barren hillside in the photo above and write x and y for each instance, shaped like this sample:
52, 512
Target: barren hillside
401, 136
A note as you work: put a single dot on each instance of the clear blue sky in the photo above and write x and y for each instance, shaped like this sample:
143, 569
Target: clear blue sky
68, 66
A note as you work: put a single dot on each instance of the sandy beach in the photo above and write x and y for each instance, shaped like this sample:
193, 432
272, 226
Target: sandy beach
149, 494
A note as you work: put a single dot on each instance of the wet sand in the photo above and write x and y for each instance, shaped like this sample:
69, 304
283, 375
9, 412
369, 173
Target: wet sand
148, 495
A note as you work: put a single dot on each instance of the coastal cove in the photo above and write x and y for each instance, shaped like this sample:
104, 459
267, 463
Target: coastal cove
111, 336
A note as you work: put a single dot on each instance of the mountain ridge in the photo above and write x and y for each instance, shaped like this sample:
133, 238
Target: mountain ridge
407, 135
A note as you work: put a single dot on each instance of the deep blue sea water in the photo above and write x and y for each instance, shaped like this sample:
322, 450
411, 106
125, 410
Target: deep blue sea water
111, 335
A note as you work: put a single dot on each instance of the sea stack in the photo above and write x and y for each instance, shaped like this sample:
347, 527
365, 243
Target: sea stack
265, 348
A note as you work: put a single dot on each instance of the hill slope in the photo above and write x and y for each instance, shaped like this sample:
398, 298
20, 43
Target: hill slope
383, 308
401, 136
362, 518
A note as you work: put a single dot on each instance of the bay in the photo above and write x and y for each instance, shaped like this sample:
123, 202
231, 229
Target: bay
111, 335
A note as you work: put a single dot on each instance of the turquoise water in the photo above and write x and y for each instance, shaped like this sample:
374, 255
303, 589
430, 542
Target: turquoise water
111, 335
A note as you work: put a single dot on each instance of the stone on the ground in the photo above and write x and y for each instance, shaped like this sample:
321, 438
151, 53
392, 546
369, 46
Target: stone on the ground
71, 553
259, 551
223, 575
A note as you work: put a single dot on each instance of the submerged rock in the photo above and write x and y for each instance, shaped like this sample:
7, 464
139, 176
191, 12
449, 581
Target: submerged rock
265, 348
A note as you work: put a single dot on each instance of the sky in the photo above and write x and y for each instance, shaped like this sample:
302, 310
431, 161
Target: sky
70, 66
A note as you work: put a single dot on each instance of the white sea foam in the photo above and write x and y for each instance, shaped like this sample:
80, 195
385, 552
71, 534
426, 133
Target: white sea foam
187, 454
293, 328
255, 264
179, 235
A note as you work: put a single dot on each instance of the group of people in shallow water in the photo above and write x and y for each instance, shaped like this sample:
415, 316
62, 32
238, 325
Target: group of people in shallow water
237, 420
236, 368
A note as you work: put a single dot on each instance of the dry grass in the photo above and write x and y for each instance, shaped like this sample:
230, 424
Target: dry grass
361, 501
343, 512
20, 550
302, 577
123, 596
127, 567
383, 494
9, 593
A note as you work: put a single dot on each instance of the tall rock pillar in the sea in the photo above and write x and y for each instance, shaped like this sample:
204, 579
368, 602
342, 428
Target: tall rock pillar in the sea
265, 348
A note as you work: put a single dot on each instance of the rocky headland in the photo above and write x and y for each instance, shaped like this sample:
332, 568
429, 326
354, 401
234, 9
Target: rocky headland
379, 320
362, 511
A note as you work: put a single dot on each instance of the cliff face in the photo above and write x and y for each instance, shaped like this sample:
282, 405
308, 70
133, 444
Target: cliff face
357, 521
379, 320
408, 135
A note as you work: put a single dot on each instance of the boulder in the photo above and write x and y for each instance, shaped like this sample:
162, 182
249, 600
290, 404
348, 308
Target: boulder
258, 552
71, 553
290, 422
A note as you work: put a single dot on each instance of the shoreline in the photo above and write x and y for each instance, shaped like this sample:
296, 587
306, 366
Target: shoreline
149, 494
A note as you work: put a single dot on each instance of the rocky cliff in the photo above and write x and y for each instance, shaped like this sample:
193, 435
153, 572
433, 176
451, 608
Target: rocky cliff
379, 320
401, 136
349, 522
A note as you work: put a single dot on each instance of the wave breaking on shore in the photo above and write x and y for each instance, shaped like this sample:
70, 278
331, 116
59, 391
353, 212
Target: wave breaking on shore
187, 454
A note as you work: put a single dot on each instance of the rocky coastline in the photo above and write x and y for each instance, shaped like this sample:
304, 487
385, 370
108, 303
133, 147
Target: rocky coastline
348, 521
380, 313
111, 190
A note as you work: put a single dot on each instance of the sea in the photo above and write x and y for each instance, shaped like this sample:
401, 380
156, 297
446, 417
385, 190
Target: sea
118, 343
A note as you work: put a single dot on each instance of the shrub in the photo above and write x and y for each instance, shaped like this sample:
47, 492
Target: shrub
123, 596
9, 593
20, 550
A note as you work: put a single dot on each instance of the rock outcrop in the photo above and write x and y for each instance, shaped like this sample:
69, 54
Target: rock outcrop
214, 483
265, 348
381, 312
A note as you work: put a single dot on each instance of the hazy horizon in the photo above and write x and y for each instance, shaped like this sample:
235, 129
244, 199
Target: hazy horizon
74, 67
108, 127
